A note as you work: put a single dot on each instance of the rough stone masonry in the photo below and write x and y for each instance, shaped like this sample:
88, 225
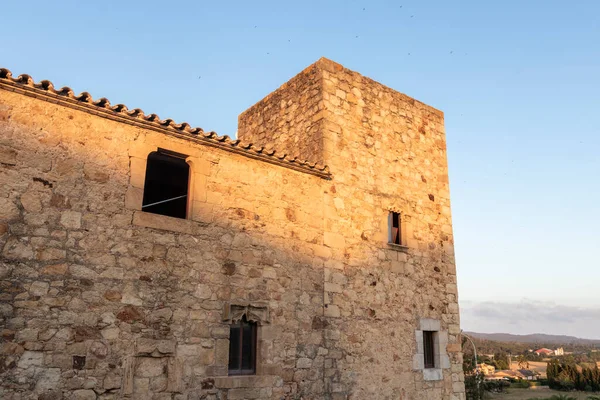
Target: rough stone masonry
101, 300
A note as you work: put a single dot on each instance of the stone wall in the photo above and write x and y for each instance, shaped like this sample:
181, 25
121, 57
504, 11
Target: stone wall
386, 152
136, 299
289, 118
102, 300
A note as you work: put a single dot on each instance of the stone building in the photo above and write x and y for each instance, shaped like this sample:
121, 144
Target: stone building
146, 259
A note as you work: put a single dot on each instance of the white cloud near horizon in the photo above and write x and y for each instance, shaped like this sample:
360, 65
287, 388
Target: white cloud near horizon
529, 316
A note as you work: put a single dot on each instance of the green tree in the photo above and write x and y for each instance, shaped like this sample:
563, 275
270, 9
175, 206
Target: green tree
501, 361
522, 362
473, 379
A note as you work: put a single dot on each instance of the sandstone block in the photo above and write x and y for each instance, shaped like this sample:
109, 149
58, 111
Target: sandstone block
31, 202
333, 287
189, 350
79, 271
112, 295
303, 363
50, 254
5, 270
59, 201
99, 349
138, 172
332, 311
222, 352
70, 219
112, 273
95, 173
48, 379
163, 222
39, 288
31, 359
51, 395
334, 240
134, 198
11, 348
6, 310
150, 346
55, 269
84, 394
8, 156
149, 367
14, 249
203, 291
112, 381
110, 333
243, 394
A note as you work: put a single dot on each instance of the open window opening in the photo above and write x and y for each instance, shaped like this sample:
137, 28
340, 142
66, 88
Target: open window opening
429, 348
166, 184
395, 233
242, 347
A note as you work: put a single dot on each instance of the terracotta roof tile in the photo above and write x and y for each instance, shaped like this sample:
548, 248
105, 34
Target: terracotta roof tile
45, 89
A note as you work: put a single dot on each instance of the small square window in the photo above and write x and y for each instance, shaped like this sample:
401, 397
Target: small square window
242, 347
166, 184
395, 229
429, 348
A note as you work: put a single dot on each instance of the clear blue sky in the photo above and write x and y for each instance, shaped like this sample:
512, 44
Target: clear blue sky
519, 82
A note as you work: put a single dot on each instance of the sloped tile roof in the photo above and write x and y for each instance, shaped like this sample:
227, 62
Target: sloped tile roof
45, 90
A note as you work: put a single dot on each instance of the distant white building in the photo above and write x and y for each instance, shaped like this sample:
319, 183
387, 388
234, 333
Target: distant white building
559, 352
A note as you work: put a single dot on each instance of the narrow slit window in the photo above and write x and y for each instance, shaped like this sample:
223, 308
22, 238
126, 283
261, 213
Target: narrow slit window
395, 231
166, 184
428, 348
242, 347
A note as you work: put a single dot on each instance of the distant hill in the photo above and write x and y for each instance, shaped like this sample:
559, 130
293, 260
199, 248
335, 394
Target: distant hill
533, 338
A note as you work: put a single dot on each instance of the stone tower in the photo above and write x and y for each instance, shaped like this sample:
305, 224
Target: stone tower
337, 256
386, 152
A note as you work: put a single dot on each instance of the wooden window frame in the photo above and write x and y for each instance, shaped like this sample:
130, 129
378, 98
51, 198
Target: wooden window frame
232, 370
397, 229
429, 338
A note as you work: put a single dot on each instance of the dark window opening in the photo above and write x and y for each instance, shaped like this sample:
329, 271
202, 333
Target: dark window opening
395, 231
428, 348
78, 362
166, 184
242, 348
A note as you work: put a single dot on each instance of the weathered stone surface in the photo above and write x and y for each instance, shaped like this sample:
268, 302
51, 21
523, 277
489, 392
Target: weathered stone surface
50, 254
70, 219
84, 394
5, 270
31, 202
55, 269
15, 249
31, 359
39, 288
148, 367
144, 301
95, 173
112, 295
112, 381
8, 156
152, 346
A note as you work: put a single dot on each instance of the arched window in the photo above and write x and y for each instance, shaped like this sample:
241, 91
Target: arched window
166, 184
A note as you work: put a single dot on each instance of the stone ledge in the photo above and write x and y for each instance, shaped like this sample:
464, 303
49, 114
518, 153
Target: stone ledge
163, 222
398, 247
433, 374
248, 381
